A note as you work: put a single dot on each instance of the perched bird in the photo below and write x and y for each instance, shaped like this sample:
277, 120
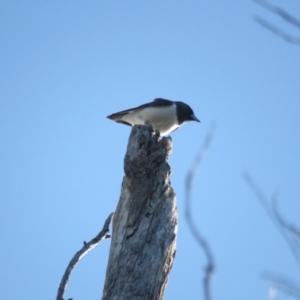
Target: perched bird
164, 115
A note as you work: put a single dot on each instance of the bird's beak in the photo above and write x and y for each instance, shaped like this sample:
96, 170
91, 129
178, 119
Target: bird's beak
194, 118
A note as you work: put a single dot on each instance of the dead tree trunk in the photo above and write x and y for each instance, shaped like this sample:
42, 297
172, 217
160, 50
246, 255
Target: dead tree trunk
143, 240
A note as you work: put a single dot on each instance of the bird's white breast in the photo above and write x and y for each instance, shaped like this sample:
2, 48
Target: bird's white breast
162, 118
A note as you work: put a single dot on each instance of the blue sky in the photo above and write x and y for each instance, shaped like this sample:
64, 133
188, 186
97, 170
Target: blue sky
66, 65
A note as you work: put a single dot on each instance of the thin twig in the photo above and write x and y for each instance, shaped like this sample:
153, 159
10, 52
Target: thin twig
287, 37
284, 15
288, 226
280, 12
272, 214
284, 284
84, 250
289, 232
293, 230
210, 267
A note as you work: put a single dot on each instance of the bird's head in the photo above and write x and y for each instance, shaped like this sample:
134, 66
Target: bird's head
185, 113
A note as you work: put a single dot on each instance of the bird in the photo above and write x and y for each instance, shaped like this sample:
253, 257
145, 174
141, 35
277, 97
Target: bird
164, 115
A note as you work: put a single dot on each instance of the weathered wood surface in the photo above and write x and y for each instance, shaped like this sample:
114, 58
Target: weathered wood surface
143, 243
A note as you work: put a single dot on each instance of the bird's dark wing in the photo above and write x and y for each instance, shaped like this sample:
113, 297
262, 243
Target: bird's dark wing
158, 102
118, 115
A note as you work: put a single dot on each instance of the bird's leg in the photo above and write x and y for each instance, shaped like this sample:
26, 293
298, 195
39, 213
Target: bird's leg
156, 133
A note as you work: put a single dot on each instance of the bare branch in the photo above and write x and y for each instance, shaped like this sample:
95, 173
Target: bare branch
210, 267
284, 284
84, 250
143, 244
287, 37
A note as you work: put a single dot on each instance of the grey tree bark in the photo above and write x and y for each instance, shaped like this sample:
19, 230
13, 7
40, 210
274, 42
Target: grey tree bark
143, 243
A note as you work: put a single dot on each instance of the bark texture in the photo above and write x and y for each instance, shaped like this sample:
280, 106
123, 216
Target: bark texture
143, 241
